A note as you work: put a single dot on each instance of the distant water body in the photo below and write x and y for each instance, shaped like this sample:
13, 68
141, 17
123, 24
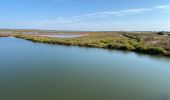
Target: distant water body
64, 35
34, 71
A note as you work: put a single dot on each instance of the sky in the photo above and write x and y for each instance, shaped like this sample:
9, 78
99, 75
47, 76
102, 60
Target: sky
86, 15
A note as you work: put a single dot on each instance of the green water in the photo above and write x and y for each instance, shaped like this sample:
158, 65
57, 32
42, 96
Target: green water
33, 71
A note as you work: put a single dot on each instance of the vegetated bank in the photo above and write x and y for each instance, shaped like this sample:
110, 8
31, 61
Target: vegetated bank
144, 42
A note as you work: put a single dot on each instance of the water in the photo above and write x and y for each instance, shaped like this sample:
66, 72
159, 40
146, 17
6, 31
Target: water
33, 71
64, 35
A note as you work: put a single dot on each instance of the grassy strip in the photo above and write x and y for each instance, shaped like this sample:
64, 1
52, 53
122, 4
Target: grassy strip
102, 40
137, 42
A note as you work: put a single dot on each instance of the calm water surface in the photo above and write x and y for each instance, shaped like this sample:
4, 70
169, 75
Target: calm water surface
64, 35
33, 71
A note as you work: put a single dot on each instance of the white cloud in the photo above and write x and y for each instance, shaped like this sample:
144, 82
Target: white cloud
64, 20
58, 20
164, 8
132, 11
113, 13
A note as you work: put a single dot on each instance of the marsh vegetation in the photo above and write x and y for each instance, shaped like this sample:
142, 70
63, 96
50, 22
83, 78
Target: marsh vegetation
145, 42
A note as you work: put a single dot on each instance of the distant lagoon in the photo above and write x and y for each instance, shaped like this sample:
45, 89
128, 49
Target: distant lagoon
64, 35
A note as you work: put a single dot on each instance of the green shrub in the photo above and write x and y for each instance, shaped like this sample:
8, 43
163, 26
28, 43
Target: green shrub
156, 50
162, 33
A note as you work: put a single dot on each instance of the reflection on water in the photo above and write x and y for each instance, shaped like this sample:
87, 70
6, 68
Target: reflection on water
33, 71
64, 35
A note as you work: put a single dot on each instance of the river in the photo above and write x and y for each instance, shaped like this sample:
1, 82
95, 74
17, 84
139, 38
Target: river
35, 71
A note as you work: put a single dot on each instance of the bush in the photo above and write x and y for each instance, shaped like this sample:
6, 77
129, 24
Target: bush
156, 50
162, 33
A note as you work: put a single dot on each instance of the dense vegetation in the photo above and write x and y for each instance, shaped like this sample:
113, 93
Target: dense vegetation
144, 42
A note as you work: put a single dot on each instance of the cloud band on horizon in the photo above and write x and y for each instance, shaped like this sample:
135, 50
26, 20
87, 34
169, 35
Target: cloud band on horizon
104, 14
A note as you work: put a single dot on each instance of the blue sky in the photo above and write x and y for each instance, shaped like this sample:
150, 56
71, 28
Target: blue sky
86, 15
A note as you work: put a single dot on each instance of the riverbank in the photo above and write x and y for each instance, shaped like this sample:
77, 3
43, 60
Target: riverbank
144, 42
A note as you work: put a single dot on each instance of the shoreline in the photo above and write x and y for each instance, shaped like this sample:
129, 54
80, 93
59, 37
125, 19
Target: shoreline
109, 41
